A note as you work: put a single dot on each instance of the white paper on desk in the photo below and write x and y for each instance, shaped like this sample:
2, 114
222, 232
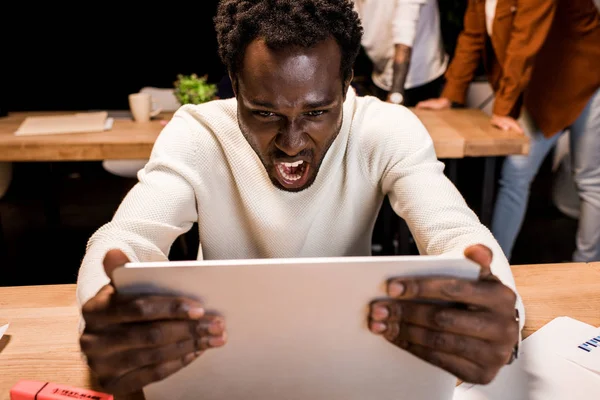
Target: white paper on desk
580, 343
60, 124
3, 330
540, 372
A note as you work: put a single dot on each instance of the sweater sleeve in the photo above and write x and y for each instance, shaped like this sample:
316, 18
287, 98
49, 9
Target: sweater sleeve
401, 158
158, 209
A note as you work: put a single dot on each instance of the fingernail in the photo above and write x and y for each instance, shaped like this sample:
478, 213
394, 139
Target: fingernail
195, 312
378, 327
216, 327
188, 358
216, 341
396, 289
380, 313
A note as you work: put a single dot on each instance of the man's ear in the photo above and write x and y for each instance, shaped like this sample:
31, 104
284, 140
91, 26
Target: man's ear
234, 83
348, 82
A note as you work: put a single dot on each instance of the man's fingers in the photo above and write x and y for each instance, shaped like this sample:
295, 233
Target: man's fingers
478, 351
123, 362
106, 309
515, 126
477, 324
482, 293
481, 255
112, 260
136, 380
506, 123
148, 335
460, 367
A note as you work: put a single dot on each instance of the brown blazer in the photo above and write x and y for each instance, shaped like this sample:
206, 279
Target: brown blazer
567, 69
520, 32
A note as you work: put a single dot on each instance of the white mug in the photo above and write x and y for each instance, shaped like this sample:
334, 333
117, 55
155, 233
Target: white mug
143, 107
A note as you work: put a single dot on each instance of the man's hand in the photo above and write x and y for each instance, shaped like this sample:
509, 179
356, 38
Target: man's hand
131, 342
440, 103
506, 123
471, 336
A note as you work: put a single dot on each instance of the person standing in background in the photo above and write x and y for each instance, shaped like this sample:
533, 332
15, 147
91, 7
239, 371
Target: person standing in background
561, 39
402, 38
563, 95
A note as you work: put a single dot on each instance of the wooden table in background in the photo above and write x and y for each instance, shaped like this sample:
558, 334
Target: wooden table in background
42, 340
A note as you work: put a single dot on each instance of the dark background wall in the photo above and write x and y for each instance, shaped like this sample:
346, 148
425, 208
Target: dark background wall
92, 55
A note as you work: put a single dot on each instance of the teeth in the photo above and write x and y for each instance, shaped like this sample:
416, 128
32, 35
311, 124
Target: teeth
294, 164
290, 177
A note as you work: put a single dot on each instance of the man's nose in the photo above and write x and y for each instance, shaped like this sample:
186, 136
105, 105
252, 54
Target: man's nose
292, 138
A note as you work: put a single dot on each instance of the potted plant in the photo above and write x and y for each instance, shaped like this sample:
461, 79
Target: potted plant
194, 89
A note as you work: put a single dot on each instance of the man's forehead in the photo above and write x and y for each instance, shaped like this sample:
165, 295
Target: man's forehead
260, 60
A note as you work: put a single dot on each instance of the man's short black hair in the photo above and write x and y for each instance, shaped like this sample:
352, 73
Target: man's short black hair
284, 23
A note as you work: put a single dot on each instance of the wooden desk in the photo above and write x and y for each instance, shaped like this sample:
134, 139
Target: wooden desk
126, 140
42, 340
456, 133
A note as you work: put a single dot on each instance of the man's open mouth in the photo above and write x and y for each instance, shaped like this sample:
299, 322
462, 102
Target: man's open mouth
292, 175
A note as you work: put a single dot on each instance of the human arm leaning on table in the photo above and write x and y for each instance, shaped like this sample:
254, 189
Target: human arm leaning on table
474, 340
404, 30
132, 341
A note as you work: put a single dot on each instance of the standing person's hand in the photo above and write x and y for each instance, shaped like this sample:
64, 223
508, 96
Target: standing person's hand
471, 335
440, 103
132, 341
506, 123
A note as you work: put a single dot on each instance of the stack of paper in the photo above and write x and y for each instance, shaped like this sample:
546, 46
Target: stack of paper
560, 361
71, 123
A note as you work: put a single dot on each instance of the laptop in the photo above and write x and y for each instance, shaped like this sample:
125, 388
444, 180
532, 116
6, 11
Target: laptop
297, 328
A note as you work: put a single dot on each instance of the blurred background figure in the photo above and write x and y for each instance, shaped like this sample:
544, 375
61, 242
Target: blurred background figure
403, 40
563, 96
545, 55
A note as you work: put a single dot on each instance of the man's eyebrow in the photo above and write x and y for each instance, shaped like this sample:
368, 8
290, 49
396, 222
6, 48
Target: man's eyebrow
320, 103
261, 103
309, 105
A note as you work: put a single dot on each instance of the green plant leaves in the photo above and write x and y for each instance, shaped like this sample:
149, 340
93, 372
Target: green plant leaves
192, 89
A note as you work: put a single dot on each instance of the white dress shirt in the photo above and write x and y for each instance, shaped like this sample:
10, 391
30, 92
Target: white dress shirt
490, 14
414, 23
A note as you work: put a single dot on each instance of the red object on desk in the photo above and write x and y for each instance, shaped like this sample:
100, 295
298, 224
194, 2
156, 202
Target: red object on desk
37, 390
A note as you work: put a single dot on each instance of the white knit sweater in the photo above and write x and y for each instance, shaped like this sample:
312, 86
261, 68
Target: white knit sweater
203, 170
